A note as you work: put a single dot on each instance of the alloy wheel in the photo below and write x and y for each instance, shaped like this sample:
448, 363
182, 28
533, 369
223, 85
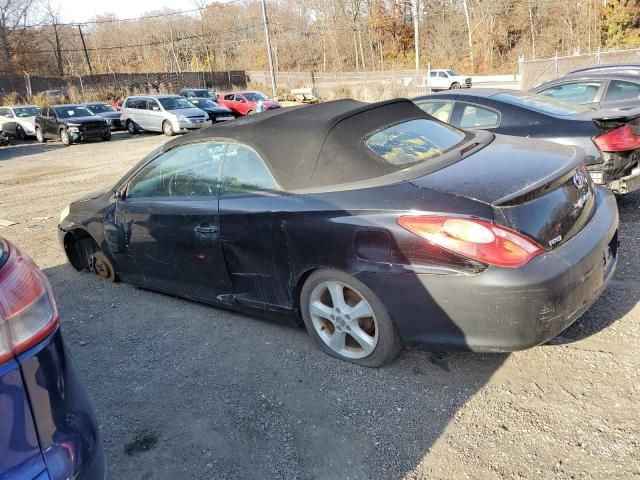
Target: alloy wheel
39, 135
343, 319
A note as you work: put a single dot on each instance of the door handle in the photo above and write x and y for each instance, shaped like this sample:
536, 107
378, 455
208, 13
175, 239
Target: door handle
205, 229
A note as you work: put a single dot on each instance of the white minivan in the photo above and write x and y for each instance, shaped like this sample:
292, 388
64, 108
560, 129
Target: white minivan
169, 114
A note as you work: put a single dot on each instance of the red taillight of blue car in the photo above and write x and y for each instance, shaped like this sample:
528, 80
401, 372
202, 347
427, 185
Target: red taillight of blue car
28, 312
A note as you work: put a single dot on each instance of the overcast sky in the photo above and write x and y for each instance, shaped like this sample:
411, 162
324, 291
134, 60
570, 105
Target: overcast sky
81, 10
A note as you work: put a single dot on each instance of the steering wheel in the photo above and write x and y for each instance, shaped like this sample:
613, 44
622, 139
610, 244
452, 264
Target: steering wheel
191, 187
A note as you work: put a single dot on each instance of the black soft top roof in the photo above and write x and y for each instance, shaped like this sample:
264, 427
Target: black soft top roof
314, 145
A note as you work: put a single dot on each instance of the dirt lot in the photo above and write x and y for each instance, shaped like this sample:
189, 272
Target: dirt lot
188, 391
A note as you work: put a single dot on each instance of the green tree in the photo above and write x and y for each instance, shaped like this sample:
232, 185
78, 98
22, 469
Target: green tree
617, 30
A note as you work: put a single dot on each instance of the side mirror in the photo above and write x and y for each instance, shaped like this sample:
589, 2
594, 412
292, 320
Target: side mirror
119, 195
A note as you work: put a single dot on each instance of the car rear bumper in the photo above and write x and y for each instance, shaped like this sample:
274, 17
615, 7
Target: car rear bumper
503, 309
64, 419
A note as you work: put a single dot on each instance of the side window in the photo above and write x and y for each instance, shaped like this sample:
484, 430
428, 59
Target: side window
478, 117
440, 109
621, 90
4, 112
579, 92
442, 75
433, 74
45, 112
245, 172
153, 105
239, 98
130, 103
228, 97
184, 172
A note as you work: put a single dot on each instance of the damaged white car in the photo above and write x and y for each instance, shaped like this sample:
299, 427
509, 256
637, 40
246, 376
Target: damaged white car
19, 121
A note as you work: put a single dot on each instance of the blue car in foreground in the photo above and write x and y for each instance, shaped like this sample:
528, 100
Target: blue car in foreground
48, 429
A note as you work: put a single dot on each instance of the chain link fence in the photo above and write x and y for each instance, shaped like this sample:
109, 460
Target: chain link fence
534, 72
368, 86
121, 83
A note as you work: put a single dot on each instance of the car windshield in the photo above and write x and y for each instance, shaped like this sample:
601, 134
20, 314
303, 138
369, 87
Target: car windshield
24, 112
413, 142
453, 73
202, 93
73, 112
541, 103
204, 102
175, 103
255, 96
101, 108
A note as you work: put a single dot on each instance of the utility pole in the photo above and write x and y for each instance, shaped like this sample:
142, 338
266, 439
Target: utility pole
416, 25
469, 38
274, 89
84, 47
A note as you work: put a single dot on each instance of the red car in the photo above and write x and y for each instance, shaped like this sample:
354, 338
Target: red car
247, 103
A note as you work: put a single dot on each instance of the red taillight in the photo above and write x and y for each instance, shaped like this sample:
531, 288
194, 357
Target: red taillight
620, 139
475, 239
28, 311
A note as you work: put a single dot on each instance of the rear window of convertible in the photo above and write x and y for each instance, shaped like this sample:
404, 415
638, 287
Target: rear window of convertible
416, 141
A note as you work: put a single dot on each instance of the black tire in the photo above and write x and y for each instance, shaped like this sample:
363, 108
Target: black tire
106, 137
389, 343
20, 135
167, 128
40, 136
65, 138
132, 128
455, 86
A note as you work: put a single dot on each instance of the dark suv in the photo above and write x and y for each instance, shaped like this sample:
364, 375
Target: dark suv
70, 124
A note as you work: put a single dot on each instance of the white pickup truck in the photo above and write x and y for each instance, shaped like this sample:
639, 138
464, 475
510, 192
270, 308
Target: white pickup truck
445, 79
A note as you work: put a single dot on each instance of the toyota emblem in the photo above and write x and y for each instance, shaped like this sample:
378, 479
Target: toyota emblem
580, 180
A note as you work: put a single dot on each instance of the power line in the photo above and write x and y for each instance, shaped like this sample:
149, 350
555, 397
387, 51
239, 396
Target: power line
147, 44
132, 19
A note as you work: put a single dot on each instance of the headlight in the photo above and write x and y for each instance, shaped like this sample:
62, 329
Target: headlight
73, 129
181, 118
64, 213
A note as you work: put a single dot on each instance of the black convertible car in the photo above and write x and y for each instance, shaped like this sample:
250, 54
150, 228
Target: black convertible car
610, 138
375, 225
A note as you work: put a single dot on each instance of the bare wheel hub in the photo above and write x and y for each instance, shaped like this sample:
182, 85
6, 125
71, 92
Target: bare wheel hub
102, 270
101, 266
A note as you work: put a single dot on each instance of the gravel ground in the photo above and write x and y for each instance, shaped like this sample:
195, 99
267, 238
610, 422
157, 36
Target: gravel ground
184, 390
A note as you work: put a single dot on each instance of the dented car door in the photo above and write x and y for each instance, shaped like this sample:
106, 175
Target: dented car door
170, 225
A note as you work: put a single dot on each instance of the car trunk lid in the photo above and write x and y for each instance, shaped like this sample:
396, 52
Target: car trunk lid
537, 188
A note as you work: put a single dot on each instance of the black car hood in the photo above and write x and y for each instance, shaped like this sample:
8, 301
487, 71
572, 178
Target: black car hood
109, 115
507, 168
93, 118
216, 109
92, 195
